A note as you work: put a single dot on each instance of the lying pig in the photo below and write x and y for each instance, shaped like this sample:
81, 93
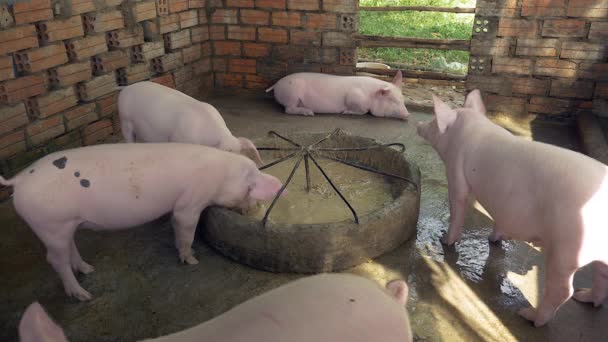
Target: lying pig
118, 186
327, 307
536, 192
150, 112
308, 93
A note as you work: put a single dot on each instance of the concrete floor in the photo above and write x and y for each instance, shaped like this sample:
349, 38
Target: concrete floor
467, 293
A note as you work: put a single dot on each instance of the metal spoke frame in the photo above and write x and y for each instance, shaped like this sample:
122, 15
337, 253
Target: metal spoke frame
306, 153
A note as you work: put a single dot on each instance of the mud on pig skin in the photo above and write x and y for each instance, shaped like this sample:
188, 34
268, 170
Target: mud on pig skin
307, 93
110, 187
536, 192
150, 112
323, 308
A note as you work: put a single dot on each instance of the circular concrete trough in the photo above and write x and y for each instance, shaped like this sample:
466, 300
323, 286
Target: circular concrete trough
315, 248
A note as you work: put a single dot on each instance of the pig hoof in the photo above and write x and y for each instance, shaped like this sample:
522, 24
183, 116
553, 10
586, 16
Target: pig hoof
584, 295
528, 313
80, 293
190, 260
446, 241
85, 268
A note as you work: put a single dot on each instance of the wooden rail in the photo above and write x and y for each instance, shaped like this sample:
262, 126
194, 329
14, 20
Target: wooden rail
407, 42
415, 74
419, 9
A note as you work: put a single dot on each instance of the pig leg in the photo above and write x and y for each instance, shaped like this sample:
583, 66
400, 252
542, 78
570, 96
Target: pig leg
354, 102
127, 131
557, 290
458, 193
76, 260
299, 110
598, 292
184, 224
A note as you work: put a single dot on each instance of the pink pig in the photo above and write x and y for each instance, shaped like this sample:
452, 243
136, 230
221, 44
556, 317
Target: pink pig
111, 187
308, 93
535, 192
327, 307
150, 112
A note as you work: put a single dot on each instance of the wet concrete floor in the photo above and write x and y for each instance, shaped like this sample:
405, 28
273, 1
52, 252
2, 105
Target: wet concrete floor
467, 293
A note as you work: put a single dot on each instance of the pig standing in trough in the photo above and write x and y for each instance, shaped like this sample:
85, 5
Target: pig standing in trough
110, 187
321, 308
307, 93
150, 112
550, 196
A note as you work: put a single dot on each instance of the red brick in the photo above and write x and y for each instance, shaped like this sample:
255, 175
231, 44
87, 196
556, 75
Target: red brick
217, 32
206, 49
222, 16
256, 50
97, 22
491, 84
43, 130
202, 16
537, 47
12, 117
593, 71
241, 33
82, 6
96, 87
6, 18
505, 104
564, 28
280, 4
80, 116
147, 51
201, 66
582, 50
32, 11
143, 10
220, 64
167, 62
555, 67
197, 3
166, 80
255, 17
517, 27
549, 105
162, 7
183, 75
339, 39
242, 65
12, 143
153, 29
255, 82
135, 73
107, 105
570, 88
192, 53
17, 90
588, 8
340, 6
496, 46
323, 21
543, 8
109, 61
51, 31
6, 68
177, 5
188, 19
46, 57
272, 35
306, 5
599, 30
290, 19
227, 48
97, 132
81, 48
229, 80
199, 34
239, 3
125, 38
70, 74
531, 86
18, 38
496, 8
305, 37
52, 103
176, 40
601, 90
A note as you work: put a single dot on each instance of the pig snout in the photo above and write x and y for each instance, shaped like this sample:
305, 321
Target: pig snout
36, 326
265, 187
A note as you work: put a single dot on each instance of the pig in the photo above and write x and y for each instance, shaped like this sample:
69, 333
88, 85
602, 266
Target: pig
308, 93
116, 186
150, 112
550, 196
326, 307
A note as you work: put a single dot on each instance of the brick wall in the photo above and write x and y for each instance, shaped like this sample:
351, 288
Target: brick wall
256, 42
61, 61
546, 58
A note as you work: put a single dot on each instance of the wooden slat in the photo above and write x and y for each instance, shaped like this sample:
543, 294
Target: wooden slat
418, 9
408, 42
415, 74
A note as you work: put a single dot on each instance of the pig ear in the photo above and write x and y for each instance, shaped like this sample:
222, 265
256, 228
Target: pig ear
248, 147
384, 91
264, 187
398, 80
445, 115
36, 326
475, 102
398, 290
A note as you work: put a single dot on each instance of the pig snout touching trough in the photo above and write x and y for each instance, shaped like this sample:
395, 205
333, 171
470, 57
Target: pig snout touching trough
309, 93
535, 192
110, 187
326, 307
150, 112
